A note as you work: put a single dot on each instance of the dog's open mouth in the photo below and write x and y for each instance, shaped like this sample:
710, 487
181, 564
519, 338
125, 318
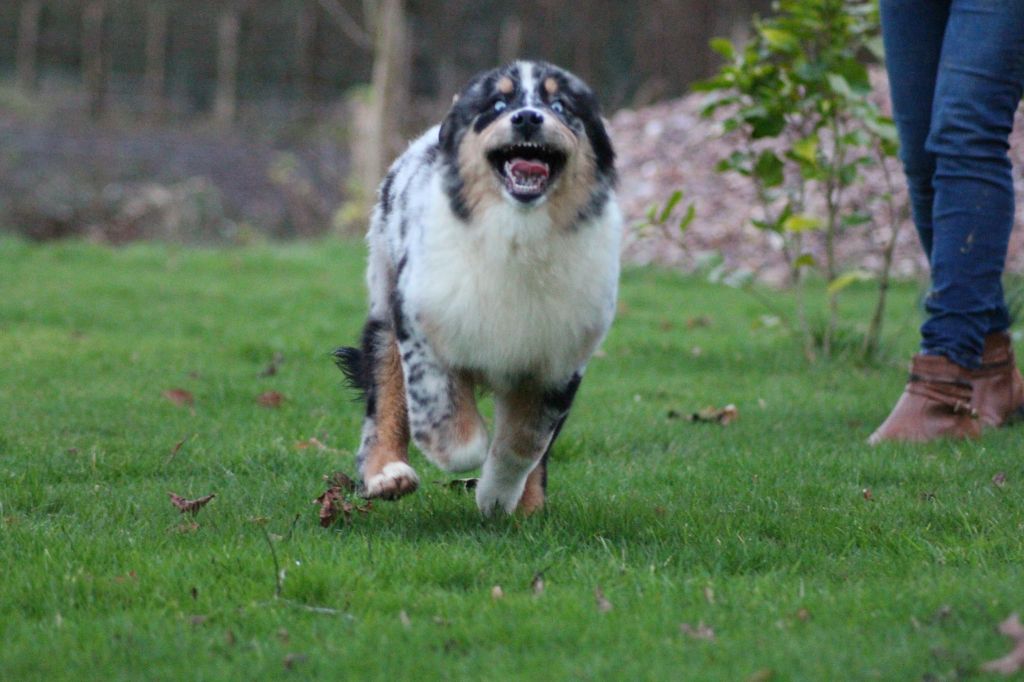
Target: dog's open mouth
527, 169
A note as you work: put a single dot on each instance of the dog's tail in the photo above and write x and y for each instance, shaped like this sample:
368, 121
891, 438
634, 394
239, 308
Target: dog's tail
357, 364
350, 361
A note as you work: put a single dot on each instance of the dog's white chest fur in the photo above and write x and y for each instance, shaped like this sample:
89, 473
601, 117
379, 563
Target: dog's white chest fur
509, 294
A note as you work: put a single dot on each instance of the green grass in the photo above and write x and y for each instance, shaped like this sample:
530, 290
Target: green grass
759, 530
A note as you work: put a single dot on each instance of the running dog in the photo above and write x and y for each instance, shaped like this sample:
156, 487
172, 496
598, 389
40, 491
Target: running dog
493, 264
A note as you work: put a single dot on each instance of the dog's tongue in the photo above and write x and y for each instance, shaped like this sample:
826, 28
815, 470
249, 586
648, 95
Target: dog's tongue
526, 168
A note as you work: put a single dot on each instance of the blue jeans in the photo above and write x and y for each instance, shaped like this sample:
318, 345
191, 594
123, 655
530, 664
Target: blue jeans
956, 72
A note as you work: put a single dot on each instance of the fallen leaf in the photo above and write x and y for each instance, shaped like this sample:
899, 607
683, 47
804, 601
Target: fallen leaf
174, 450
463, 484
702, 631
603, 605
1013, 662
313, 442
198, 620
497, 592
537, 584
271, 399
700, 321
802, 614
867, 494
292, 660
189, 527
332, 503
271, 369
190, 506
179, 396
339, 479
716, 415
999, 480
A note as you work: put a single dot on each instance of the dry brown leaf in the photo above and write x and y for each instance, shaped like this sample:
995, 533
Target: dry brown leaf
271, 369
271, 399
802, 614
1013, 662
179, 396
867, 494
332, 502
339, 479
999, 480
188, 527
313, 442
190, 506
716, 415
292, 660
174, 450
700, 321
603, 605
701, 631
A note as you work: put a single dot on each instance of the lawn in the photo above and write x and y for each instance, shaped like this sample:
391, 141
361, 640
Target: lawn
778, 547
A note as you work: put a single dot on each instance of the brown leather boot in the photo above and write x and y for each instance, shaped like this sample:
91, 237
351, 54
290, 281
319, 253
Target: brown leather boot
936, 403
998, 388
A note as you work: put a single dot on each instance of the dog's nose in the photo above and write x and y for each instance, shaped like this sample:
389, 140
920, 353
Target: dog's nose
527, 121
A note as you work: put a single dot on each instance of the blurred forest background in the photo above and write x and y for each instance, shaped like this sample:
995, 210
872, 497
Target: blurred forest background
226, 120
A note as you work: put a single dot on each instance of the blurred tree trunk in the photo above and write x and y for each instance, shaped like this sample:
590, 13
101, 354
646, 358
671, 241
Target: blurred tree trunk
28, 44
94, 57
382, 136
305, 51
510, 39
156, 55
226, 99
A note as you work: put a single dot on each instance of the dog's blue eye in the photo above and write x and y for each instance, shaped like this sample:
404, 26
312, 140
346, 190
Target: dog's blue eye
557, 107
500, 105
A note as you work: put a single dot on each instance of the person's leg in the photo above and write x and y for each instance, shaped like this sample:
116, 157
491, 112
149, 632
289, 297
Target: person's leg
979, 86
913, 31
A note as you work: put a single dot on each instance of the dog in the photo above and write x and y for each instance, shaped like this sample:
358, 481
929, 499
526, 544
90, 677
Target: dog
493, 264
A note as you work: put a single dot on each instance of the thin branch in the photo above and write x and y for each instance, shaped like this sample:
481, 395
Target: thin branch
348, 25
277, 566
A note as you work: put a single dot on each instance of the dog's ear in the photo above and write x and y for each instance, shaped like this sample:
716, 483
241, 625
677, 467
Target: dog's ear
446, 136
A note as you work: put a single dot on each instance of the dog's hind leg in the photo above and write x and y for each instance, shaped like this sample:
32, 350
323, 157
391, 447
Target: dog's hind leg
527, 421
383, 449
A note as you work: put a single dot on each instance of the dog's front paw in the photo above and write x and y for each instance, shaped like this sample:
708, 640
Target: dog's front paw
395, 480
494, 494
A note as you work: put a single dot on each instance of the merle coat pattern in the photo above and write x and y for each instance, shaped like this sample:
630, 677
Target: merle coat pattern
494, 262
